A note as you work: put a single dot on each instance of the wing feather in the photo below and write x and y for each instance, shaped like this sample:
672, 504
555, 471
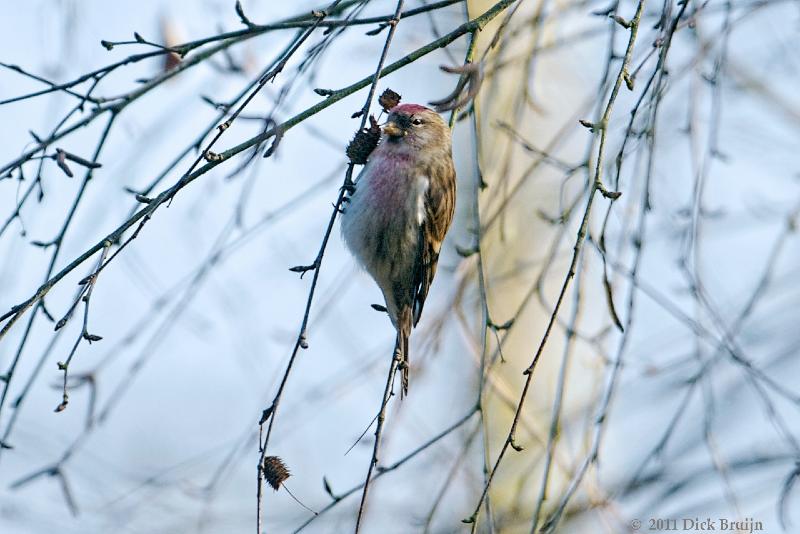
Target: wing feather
439, 204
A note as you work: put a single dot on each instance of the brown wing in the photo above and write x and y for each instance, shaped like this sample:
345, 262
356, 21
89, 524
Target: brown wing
440, 202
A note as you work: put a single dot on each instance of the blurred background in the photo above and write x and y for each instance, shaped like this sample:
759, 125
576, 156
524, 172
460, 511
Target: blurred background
665, 388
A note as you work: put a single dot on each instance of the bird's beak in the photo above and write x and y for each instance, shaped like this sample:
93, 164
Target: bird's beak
393, 130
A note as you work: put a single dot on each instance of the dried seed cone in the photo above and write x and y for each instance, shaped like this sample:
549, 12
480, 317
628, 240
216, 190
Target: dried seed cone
364, 143
275, 471
388, 100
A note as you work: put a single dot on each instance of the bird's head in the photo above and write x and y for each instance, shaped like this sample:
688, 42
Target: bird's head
415, 126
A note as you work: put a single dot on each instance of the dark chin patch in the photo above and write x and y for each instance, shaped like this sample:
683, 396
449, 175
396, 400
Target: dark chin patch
403, 121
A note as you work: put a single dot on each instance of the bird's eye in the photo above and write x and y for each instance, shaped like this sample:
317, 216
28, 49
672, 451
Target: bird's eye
416, 122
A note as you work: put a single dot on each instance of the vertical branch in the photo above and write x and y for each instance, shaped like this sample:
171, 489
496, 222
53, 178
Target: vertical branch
396, 355
301, 341
595, 187
639, 239
555, 416
387, 394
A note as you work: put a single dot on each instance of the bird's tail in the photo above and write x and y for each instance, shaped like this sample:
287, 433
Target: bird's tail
401, 347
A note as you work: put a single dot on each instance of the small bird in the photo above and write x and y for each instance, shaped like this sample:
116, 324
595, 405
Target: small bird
397, 217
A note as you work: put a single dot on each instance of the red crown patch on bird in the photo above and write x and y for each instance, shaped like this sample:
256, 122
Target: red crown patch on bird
409, 108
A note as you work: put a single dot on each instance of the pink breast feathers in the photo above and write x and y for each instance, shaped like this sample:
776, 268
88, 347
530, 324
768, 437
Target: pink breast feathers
389, 183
